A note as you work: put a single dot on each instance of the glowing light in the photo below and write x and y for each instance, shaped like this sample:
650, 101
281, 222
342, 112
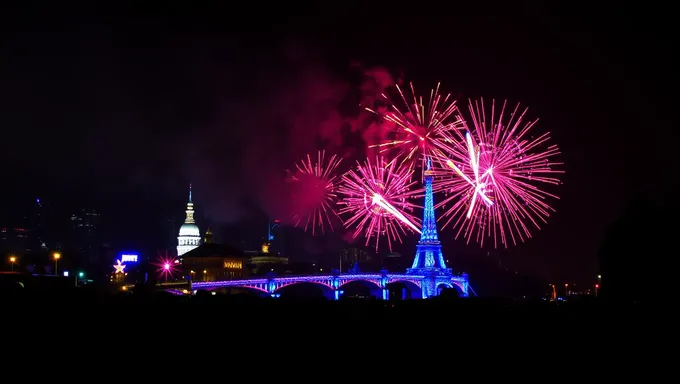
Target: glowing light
491, 176
119, 267
233, 264
316, 184
376, 199
334, 283
129, 258
417, 128
166, 265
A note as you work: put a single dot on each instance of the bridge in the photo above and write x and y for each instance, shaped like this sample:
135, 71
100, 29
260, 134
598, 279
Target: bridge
423, 285
426, 277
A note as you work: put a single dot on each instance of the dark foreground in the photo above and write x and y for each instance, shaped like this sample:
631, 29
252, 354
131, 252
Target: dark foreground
251, 318
165, 335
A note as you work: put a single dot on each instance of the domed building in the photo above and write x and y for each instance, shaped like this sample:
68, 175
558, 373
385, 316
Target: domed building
189, 235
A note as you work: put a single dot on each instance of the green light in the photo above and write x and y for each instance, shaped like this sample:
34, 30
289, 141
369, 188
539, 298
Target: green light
81, 274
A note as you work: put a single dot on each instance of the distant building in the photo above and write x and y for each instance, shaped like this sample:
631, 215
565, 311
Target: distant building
266, 261
394, 261
349, 257
39, 226
211, 262
85, 239
189, 235
26, 235
14, 241
208, 239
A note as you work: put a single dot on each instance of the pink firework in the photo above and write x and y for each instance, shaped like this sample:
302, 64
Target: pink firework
166, 265
315, 185
376, 199
419, 127
493, 175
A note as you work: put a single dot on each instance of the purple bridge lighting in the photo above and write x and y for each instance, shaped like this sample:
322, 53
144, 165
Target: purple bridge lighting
426, 285
426, 277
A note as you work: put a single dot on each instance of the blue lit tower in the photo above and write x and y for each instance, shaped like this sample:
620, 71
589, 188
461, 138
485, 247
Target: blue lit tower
429, 260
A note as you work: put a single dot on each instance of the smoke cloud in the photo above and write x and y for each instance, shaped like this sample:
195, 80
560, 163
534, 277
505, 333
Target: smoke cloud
300, 107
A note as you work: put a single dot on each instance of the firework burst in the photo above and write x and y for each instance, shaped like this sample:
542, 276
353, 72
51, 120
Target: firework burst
166, 265
315, 186
418, 128
376, 200
493, 174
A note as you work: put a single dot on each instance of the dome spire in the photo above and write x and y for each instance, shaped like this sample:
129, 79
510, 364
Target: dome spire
190, 209
189, 233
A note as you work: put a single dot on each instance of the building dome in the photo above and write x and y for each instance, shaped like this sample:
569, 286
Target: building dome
189, 229
189, 235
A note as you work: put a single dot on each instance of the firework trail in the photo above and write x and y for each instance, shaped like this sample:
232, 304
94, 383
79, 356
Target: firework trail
315, 185
492, 176
418, 128
376, 200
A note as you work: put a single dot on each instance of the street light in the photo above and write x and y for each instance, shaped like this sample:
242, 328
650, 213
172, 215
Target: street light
12, 260
80, 275
56, 256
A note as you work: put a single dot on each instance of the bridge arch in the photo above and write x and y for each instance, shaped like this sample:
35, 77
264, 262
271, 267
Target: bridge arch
450, 286
238, 289
304, 290
371, 283
324, 286
360, 288
404, 289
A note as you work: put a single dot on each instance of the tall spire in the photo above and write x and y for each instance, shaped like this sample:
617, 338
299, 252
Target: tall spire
429, 249
190, 193
189, 233
429, 230
190, 209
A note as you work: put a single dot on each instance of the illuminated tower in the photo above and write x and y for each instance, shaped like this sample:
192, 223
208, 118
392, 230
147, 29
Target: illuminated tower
189, 234
429, 259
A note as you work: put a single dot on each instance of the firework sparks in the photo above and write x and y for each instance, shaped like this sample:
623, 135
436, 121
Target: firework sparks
492, 175
419, 126
376, 200
166, 265
316, 184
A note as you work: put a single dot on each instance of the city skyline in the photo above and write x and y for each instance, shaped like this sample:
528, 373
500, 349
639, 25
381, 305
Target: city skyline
231, 112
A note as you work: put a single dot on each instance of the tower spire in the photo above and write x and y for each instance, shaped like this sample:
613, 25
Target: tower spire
190, 209
190, 193
189, 233
429, 250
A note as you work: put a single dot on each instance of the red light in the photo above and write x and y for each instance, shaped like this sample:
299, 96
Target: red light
166, 266
597, 285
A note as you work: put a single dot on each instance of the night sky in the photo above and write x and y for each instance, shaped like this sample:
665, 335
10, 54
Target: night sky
119, 109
